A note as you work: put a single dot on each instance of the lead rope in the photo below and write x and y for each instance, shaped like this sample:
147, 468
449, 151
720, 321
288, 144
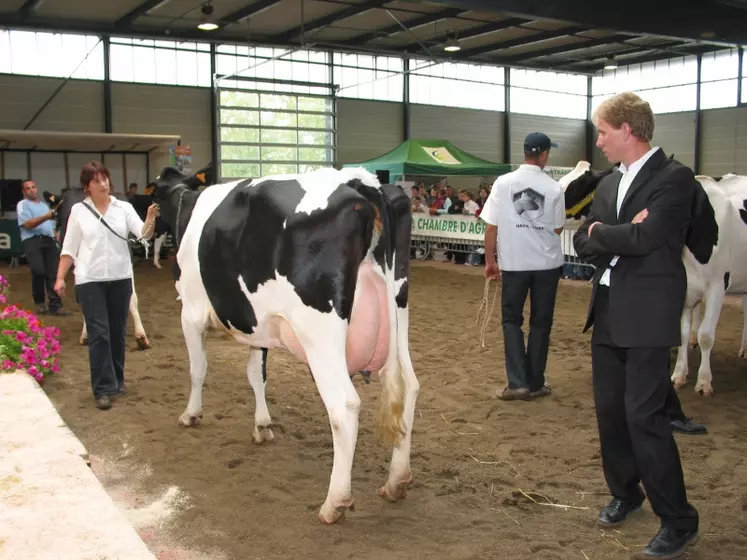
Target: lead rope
178, 212
489, 312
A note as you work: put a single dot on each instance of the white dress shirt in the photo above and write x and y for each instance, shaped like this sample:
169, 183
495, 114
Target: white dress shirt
628, 176
98, 254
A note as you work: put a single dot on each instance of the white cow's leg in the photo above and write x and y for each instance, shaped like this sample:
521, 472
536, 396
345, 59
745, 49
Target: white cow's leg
714, 300
256, 371
679, 375
400, 474
84, 334
140, 336
157, 244
328, 364
194, 336
743, 348
695, 325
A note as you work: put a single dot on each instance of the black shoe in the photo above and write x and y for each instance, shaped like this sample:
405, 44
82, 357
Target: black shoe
104, 403
614, 513
687, 426
669, 544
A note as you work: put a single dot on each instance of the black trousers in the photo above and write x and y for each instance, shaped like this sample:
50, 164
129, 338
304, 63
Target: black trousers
525, 367
43, 257
105, 306
631, 388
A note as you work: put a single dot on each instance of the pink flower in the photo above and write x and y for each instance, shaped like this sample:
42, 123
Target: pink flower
7, 365
55, 368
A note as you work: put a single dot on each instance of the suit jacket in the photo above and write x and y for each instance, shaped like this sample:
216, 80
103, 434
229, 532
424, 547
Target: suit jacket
648, 283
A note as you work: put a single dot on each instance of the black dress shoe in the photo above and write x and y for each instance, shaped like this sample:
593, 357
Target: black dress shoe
687, 426
669, 544
614, 513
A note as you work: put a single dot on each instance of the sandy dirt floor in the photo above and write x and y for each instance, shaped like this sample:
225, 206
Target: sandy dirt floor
209, 492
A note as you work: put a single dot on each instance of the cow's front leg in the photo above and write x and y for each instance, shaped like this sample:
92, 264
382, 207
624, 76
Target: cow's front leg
194, 336
257, 372
714, 300
84, 334
157, 244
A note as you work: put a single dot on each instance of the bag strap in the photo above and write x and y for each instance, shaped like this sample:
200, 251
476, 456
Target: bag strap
101, 219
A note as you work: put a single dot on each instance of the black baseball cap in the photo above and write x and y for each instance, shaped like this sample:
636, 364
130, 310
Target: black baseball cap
536, 142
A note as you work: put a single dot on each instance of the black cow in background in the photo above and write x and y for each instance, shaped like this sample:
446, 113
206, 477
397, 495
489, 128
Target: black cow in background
164, 226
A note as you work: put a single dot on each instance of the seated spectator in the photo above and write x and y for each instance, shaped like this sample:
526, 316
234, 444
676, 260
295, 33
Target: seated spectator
417, 205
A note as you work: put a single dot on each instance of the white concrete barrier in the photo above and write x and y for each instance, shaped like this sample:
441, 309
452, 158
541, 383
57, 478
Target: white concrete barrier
52, 506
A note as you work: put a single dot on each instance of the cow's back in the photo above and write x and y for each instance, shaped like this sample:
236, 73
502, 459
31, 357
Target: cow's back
244, 234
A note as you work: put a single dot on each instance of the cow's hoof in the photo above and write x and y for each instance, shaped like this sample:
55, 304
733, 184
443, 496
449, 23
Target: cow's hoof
678, 381
84, 341
741, 352
262, 434
329, 515
704, 389
398, 492
189, 421
158, 266
143, 343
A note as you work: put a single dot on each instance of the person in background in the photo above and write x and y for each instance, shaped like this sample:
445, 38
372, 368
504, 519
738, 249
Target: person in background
39, 238
103, 275
470, 206
131, 191
525, 214
417, 206
482, 196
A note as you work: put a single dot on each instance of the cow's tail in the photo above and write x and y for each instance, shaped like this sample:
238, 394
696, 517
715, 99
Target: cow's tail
390, 427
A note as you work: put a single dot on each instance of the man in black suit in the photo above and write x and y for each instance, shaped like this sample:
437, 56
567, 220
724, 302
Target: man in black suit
634, 235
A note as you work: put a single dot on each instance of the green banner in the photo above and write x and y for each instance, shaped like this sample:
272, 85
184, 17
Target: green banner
10, 239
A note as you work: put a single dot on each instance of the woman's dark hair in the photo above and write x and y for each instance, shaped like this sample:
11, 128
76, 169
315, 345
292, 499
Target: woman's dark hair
91, 171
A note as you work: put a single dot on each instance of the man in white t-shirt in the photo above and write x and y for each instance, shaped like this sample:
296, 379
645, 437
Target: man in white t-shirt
525, 214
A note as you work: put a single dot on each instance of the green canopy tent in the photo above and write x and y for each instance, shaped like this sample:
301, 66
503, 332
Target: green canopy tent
431, 157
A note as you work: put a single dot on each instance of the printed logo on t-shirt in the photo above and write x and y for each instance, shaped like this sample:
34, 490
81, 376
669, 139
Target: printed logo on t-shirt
529, 204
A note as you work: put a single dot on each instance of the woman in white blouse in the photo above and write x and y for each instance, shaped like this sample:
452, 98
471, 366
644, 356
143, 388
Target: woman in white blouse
103, 275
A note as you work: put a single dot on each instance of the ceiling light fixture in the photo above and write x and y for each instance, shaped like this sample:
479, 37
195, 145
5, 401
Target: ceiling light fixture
206, 23
610, 63
452, 45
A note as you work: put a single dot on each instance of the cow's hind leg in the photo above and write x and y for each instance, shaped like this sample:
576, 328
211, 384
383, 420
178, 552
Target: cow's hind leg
328, 364
400, 474
713, 301
194, 336
140, 336
84, 334
679, 375
257, 372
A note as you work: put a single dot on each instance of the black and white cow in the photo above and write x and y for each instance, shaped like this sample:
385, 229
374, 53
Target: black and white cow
716, 265
318, 264
715, 259
64, 204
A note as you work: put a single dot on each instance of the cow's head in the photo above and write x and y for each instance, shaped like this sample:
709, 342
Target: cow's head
170, 178
63, 204
580, 190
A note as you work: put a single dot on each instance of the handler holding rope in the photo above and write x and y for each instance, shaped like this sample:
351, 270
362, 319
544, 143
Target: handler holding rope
525, 214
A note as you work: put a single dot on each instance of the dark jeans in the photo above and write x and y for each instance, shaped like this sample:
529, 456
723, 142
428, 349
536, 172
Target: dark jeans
631, 394
525, 367
43, 257
105, 306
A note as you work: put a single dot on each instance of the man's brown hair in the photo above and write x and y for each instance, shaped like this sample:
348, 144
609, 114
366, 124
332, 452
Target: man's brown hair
628, 108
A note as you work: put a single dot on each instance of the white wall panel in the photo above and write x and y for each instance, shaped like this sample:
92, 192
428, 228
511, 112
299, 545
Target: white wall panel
367, 129
14, 165
78, 107
146, 109
474, 131
724, 141
137, 170
115, 165
48, 171
570, 134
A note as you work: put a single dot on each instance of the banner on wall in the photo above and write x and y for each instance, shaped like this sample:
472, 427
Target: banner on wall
448, 226
181, 158
10, 239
